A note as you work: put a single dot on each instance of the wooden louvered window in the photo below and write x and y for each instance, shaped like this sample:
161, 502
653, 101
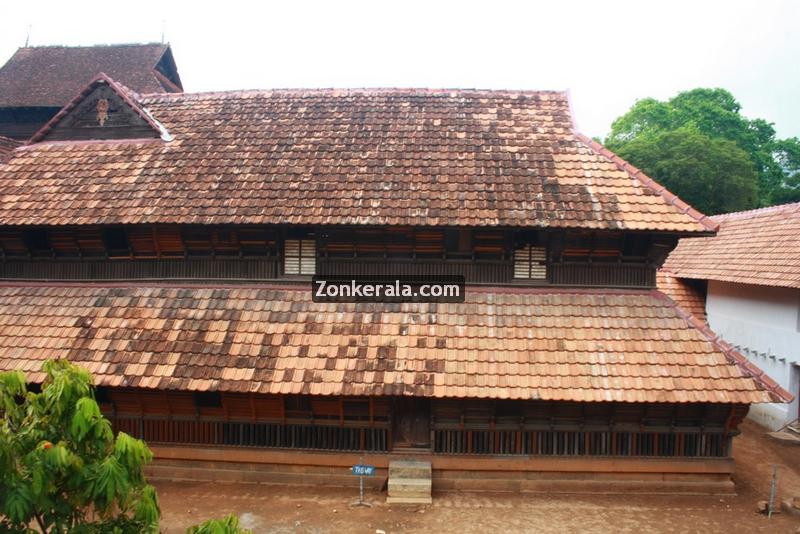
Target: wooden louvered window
300, 256
530, 263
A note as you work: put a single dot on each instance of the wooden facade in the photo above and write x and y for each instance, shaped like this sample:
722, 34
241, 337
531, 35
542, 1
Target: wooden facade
484, 256
451, 427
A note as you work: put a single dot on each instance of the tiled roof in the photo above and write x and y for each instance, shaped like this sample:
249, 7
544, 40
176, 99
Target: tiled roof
516, 343
683, 293
7, 145
752, 247
50, 76
382, 157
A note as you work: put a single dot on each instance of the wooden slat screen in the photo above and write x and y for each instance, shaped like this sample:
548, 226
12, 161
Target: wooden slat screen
245, 434
530, 263
299, 256
92, 269
583, 443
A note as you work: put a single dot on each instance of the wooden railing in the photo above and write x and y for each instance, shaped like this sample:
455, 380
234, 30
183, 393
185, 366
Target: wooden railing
267, 268
254, 434
497, 272
180, 268
602, 274
688, 444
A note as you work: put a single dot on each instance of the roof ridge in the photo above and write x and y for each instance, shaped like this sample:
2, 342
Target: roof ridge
651, 184
341, 91
99, 45
731, 354
757, 211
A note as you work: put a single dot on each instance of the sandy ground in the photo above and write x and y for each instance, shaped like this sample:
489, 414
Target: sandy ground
284, 509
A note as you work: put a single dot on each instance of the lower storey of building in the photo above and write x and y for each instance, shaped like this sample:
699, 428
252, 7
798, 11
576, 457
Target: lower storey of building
472, 444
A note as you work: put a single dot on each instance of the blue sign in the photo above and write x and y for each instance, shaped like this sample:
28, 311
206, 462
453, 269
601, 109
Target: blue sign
363, 470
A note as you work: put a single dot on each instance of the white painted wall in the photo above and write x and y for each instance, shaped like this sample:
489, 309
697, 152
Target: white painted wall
764, 323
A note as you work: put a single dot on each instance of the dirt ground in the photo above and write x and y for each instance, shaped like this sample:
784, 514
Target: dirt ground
294, 509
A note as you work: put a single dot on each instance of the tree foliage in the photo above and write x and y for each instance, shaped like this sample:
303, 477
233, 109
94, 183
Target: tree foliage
742, 164
689, 163
61, 468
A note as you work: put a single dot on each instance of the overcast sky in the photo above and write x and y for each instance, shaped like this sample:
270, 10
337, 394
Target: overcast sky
607, 53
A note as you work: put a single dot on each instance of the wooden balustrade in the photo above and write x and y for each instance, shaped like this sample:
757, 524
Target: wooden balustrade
687, 444
371, 438
157, 269
213, 432
268, 268
602, 274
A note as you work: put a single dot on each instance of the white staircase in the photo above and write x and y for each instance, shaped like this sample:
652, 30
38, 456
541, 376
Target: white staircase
409, 482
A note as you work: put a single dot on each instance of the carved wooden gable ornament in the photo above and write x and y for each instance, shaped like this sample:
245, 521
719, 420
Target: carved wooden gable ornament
103, 110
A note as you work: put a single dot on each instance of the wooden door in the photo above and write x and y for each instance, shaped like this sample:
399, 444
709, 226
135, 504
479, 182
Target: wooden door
412, 422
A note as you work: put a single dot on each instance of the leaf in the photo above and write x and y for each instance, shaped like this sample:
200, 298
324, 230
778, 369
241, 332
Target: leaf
147, 511
132, 452
109, 484
86, 416
12, 383
226, 525
18, 504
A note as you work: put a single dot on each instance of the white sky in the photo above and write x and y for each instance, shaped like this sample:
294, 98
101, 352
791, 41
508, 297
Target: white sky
607, 53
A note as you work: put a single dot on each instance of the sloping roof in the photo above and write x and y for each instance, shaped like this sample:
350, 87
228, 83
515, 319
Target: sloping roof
383, 157
752, 247
7, 145
49, 76
682, 292
578, 346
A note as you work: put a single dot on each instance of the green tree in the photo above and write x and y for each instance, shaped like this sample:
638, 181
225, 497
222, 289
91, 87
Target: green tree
690, 163
704, 117
61, 468
787, 153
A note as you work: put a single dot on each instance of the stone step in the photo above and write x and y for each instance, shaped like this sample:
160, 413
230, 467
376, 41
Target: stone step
409, 500
410, 487
409, 469
410, 482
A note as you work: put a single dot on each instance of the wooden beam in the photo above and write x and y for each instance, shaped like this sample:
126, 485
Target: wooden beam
454, 462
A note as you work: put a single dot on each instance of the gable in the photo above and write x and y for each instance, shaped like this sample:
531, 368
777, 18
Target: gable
167, 73
103, 110
103, 114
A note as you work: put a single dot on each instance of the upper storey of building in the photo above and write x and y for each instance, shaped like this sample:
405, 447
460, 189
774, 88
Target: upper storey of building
352, 177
